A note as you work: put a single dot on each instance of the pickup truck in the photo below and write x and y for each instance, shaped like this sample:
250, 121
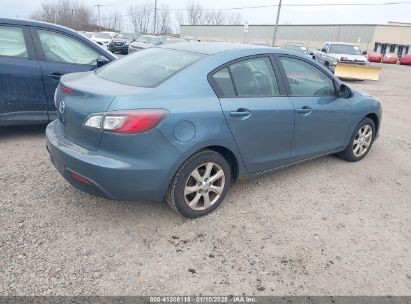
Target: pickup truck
333, 53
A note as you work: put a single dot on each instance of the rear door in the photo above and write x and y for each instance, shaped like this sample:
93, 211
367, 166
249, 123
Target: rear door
22, 96
259, 114
58, 54
322, 117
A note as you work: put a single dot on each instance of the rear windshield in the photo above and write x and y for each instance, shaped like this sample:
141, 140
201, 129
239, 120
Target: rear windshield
147, 68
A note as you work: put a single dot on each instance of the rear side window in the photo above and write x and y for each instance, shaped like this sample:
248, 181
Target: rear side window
12, 42
305, 79
147, 68
224, 82
64, 49
252, 77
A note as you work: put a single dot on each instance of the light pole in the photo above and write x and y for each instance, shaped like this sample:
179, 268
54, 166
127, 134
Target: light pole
276, 23
155, 16
99, 20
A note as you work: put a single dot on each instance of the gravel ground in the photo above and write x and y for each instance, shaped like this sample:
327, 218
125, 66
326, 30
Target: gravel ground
325, 227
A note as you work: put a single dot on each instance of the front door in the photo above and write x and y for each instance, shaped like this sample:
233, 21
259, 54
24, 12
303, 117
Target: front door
22, 96
260, 117
61, 54
321, 117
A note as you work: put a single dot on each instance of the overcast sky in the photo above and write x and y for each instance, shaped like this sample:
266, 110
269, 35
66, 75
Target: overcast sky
289, 15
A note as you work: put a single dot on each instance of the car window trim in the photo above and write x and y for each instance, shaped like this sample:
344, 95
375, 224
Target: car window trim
31, 55
214, 85
287, 83
39, 48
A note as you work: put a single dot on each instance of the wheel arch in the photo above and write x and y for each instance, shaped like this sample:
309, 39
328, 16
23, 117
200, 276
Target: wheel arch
375, 119
230, 157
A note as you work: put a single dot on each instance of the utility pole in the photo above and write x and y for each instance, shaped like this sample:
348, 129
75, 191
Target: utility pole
99, 19
155, 16
276, 23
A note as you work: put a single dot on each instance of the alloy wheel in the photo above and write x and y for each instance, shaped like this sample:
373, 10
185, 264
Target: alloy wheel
204, 186
362, 141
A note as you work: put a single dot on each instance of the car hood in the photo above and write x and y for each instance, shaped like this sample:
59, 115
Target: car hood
101, 39
349, 57
141, 45
121, 40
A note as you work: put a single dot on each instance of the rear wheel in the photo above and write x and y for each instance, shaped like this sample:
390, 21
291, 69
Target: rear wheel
360, 142
200, 184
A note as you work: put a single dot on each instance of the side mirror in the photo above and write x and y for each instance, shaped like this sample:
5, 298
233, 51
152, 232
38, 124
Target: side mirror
344, 91
102, 60
364, 52
324, 50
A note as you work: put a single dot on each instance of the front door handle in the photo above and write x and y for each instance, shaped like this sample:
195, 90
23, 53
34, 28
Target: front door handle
240, 113
304, 110
55, 75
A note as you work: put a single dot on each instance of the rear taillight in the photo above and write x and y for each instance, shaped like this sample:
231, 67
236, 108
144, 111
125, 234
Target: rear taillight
67, 90
126, 121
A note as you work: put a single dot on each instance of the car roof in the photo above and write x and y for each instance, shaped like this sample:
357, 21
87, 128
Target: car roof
292, 43
345, 43
46, 25
211, 48
28, 22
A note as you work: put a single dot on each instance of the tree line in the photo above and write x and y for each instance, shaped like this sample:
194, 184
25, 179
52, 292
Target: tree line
80, 16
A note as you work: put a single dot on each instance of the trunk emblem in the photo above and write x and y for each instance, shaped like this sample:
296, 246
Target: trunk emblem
62, 107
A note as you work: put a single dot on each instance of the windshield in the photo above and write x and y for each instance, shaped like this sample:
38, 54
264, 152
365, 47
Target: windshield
124, 36
296, 47
345, 49
147, 68
149, 39
103, 35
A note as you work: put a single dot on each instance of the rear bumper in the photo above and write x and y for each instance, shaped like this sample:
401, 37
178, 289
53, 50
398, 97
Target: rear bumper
110, 176
114, 48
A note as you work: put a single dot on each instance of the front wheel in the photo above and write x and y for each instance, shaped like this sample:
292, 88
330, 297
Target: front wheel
360, 142
200, 184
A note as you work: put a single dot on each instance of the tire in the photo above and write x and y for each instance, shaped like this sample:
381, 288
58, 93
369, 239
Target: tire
349, 153
185, 179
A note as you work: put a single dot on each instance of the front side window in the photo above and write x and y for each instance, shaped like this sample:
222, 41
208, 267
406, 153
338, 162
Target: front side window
147, 68
64, 49
12, 42
305, 79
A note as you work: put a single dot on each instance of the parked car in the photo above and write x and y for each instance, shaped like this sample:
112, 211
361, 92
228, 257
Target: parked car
33, 57
374, 57
120, 42
88, 34
174, 40
333, 53
297, 47
405, 59
391, 58
103, 38
144, 42
135, 129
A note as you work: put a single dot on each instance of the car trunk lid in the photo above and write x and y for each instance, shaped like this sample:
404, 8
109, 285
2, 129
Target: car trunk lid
80, 95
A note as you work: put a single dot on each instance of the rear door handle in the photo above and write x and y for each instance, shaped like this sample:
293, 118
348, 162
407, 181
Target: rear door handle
304, 110
240, 113
55, 75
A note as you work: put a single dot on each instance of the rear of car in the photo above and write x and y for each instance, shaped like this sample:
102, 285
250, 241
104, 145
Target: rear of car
405, 59
374, 57
106, 139
390, 58
120, 42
